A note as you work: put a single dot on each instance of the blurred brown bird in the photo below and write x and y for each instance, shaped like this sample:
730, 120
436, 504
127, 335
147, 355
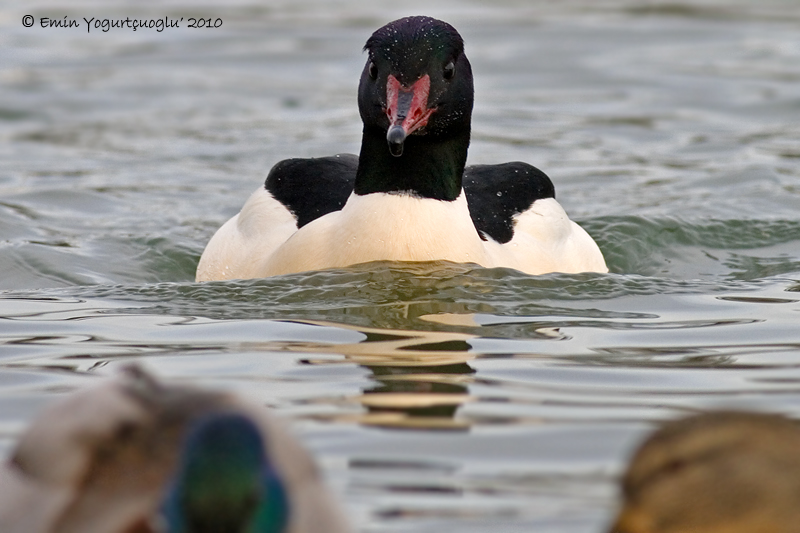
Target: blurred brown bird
721, 472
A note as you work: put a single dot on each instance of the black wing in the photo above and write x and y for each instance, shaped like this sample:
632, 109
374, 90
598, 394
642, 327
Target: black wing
495, 193
311, 188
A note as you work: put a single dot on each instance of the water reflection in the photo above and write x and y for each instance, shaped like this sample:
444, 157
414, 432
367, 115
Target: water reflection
421, 377
418, 396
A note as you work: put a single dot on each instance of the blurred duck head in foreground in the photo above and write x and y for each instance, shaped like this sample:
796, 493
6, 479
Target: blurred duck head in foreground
135, 455
720, 472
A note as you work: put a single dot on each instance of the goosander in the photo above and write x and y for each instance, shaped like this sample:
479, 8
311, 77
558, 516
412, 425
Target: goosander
408, 195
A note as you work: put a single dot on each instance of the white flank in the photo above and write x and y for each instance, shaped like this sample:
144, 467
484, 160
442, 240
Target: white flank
241, 247
546, 240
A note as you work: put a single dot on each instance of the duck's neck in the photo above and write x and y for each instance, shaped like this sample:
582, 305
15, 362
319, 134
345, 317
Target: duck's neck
430, 167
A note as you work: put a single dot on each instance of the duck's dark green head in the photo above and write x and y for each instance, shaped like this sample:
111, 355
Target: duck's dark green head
415, 98
224, 482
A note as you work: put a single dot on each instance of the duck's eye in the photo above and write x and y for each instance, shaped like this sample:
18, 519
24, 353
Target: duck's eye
449, 71
373, 70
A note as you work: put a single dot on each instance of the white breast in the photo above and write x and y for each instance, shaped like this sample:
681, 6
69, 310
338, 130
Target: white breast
381, 226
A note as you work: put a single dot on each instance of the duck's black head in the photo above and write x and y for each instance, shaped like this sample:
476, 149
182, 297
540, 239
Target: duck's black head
415, 98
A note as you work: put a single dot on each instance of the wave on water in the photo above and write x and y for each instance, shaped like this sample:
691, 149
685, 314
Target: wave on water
645, 254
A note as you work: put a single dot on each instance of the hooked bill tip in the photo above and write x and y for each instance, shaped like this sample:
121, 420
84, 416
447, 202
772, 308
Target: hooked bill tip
395, 137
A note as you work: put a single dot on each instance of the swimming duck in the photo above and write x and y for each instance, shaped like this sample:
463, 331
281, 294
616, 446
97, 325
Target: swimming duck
407, 196
134, 455
721, 472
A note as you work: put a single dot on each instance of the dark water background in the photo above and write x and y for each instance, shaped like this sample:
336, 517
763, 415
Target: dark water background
441, 397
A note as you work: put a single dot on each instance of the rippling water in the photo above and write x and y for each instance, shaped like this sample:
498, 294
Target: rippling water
436, 396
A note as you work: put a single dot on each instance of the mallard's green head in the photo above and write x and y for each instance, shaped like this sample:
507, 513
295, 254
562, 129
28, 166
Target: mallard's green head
225, 482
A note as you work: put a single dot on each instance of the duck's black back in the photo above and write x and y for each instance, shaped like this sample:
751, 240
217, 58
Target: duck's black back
311, 188
495, 193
